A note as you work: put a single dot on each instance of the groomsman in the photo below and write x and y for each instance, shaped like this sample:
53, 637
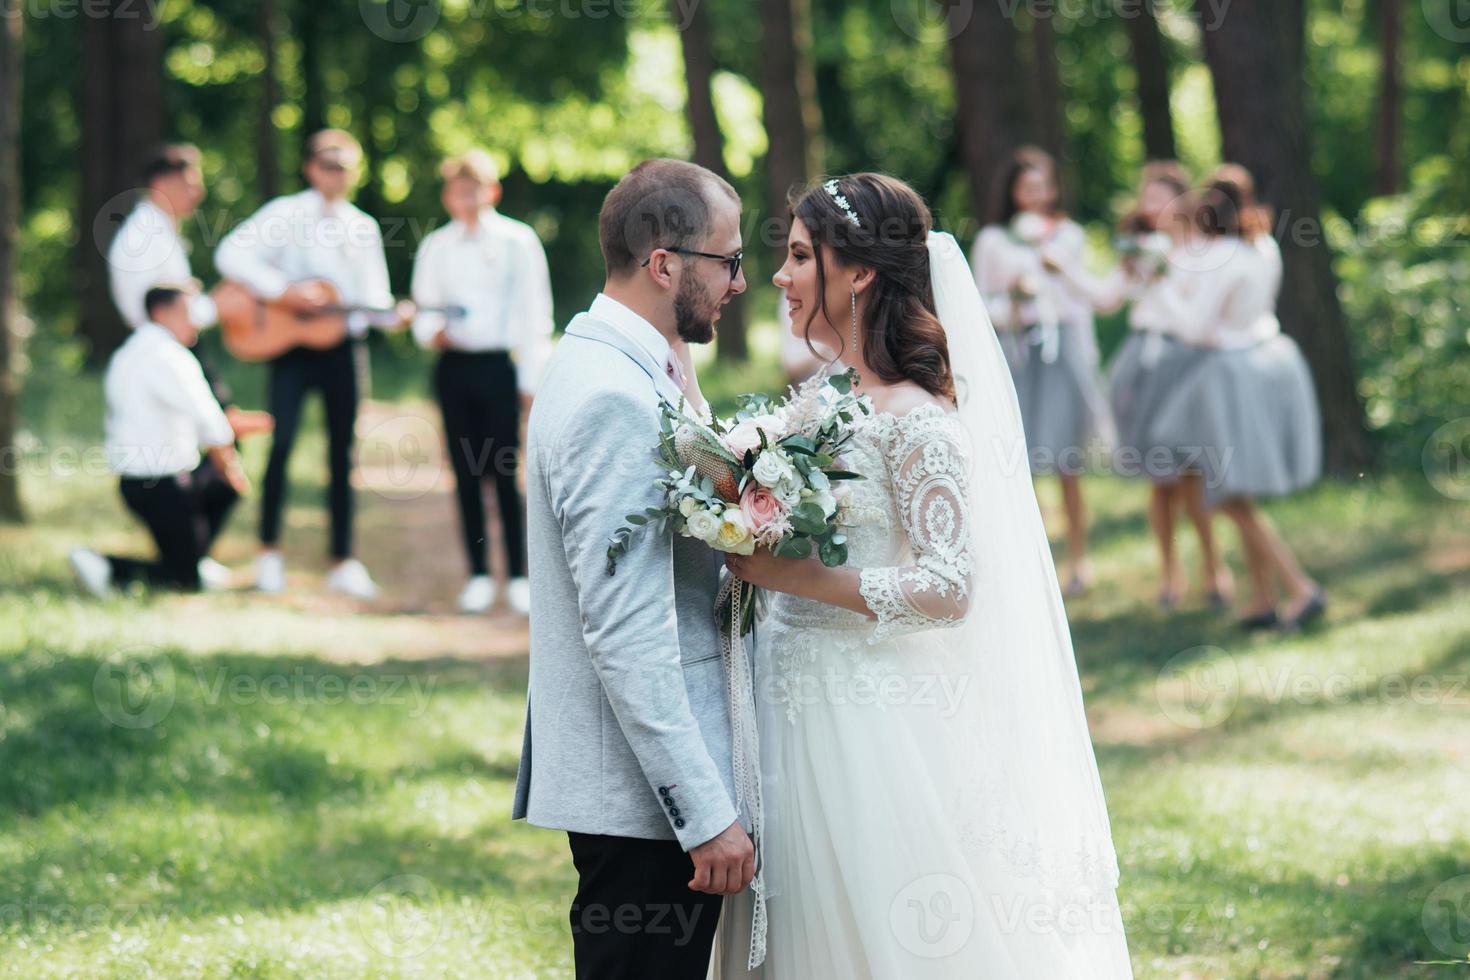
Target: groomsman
160, 412
491, 357
282, 252
147, 251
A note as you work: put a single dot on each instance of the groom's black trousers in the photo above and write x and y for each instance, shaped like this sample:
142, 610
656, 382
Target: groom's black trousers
635, 916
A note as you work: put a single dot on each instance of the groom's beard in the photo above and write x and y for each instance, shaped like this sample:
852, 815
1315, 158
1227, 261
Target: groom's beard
693, 314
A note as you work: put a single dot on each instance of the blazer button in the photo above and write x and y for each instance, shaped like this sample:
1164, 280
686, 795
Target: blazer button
679, 823
663, 791
673, 811
668, 801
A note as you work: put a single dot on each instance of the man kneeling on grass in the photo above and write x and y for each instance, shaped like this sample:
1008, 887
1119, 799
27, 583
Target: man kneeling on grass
160, 413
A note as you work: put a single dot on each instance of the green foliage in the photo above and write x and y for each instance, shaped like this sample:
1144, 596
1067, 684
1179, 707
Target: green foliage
1406, 286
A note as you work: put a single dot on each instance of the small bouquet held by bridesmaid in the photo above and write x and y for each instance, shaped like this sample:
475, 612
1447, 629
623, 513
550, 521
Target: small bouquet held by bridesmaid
766, 478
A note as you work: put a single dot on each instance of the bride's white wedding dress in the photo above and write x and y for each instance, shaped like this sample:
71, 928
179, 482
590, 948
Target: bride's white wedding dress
931, 806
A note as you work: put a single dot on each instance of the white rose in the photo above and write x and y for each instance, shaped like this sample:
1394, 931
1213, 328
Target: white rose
745, 436
688, 506
733, 534
704, 525
790, 489
825, 500
772, 467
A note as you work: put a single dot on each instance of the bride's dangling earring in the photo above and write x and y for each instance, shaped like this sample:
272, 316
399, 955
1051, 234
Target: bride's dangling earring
854, 322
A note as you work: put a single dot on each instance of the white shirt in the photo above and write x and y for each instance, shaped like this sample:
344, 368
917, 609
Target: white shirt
498, 273
639, 331
1218, 294
302, 236
159, 407
148, 251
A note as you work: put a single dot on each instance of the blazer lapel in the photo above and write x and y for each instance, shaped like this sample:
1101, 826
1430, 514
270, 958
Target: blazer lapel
590, 328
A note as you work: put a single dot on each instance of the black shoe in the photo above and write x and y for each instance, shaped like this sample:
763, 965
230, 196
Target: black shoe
1260, 621
1218, 601
1310, 613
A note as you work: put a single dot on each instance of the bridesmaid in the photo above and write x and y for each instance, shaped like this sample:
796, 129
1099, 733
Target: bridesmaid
1151, 363
1047, 331
1249, 405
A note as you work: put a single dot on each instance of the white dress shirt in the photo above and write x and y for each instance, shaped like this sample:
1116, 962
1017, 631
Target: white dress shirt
302, 236
148, 251
159, 407
498, 273
640, 331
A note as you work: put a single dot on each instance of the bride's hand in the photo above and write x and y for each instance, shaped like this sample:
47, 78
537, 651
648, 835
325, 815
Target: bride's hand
764, 570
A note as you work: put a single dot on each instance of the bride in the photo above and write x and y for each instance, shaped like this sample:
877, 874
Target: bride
930, 802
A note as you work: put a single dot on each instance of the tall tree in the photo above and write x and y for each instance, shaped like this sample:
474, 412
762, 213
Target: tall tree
989, 104
1255, 56
1046, 93
1390, 95
12, 32
122, 117
1151, 65
709, 143
792, 117
268, 165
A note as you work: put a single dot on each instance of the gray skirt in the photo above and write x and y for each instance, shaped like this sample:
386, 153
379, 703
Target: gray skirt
1063, 410
1145, 371
1248, 420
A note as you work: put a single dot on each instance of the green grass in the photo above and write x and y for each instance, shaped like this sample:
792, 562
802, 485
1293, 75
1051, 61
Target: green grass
236, 786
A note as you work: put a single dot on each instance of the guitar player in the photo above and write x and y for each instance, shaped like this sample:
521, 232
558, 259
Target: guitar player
285, 252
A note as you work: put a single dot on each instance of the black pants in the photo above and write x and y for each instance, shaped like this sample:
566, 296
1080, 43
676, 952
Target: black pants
482, 421
634, 916
184, 513
334, 373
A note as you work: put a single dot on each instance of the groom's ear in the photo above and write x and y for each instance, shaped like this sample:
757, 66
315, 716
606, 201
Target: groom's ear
658, 267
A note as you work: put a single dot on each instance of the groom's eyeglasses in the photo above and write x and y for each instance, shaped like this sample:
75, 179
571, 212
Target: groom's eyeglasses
732, 262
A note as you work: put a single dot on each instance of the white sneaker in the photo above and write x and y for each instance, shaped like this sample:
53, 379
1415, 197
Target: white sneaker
213, 576
270, 572
92, 570
478, 595
351, 578
518, 592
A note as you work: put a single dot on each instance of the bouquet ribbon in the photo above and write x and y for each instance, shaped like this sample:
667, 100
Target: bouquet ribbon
745, 753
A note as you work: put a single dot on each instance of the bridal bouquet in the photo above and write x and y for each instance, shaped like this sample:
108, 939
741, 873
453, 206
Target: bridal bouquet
766, 478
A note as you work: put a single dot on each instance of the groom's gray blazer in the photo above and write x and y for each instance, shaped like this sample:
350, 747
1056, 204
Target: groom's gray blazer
627, 725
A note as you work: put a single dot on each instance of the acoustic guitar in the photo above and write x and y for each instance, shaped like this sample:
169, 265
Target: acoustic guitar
259, 330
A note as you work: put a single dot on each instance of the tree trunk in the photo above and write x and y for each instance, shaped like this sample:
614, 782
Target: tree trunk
1390, 93
989, 116
790, 113
1047, 92
122, 119
1254, 54
268, 166
12, 30
709, 147
314, 101
1151, 65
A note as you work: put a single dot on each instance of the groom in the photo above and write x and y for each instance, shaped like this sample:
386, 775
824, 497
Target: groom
631, 747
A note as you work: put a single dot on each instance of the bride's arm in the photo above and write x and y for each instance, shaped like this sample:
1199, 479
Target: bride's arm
930, 475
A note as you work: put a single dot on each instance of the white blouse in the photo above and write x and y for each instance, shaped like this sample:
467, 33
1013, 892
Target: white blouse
1219, 293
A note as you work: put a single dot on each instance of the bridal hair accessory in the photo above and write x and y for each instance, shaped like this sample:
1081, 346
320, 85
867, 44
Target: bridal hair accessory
841, 201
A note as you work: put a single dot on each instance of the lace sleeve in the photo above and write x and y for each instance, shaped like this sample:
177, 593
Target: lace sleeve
930, 468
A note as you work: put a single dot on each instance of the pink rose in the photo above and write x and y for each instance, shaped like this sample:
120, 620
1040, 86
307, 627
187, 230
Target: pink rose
761, 507
746, 436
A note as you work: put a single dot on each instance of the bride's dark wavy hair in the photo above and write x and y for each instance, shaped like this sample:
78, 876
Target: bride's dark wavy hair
902, 337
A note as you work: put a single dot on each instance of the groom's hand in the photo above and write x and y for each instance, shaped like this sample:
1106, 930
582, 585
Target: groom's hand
725, 864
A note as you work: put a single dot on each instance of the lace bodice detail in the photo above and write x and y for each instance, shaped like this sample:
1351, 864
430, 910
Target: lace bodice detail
910, 531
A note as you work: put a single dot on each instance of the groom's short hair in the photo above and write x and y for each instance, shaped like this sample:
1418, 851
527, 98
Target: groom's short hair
660, 203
